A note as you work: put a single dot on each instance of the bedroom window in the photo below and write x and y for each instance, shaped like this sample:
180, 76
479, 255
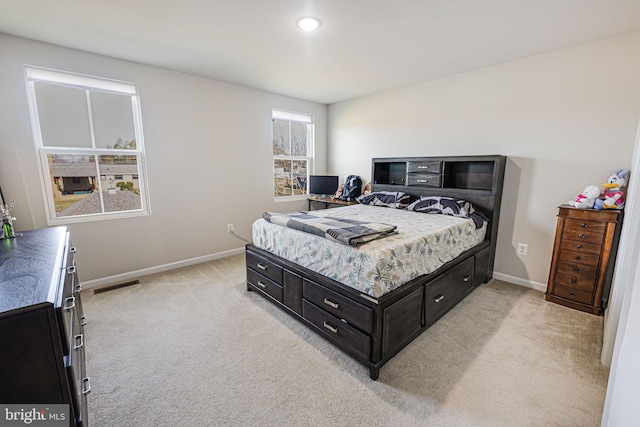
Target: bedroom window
88, 137
292, 136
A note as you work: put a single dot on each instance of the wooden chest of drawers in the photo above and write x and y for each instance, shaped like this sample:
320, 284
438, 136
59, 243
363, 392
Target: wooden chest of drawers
583, 258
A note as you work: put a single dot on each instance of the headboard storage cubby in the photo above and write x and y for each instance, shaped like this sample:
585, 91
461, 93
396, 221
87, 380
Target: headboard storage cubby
392, 173
473, 175
470, 173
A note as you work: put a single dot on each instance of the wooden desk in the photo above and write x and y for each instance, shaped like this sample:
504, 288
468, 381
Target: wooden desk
327, 201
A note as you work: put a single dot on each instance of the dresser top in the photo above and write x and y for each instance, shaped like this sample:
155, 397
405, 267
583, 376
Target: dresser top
30, 267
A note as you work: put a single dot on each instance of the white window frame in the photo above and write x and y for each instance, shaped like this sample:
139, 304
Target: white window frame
310, 157
88, 83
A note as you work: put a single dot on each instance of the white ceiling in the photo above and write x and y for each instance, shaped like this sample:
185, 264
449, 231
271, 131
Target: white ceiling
362, 47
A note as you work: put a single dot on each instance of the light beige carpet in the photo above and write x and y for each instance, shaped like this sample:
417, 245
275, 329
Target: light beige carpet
192, 347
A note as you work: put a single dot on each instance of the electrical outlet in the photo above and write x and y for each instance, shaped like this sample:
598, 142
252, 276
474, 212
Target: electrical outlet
522, 248
230, 228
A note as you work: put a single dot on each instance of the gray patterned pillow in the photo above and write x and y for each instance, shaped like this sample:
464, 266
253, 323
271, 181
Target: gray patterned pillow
448, 206
389, 199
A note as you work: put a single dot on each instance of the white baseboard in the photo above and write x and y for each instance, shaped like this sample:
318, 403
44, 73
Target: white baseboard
542, 287
119, 278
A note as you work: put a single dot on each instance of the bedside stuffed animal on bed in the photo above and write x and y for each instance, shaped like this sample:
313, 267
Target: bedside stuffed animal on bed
613, 197
587, 198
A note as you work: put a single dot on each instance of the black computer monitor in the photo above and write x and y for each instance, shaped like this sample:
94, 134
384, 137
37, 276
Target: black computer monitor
323, 185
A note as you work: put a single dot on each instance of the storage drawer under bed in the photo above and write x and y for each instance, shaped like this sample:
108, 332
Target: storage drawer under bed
446, 291
338, 305
265, 267
337, 330
264, 284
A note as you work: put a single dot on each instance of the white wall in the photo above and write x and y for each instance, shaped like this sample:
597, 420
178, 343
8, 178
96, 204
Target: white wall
565, 119
208, 155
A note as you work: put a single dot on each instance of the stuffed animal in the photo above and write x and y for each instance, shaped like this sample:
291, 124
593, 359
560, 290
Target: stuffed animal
613, 197
587, 198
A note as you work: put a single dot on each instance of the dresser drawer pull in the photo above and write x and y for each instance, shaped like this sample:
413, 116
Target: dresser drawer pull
575, 268
331, 328
71, 270
584, 224
578, 257
86, 385
423, 167
79, 341
331, 303
421, 181
574, 280
573, 294
262, 267
83, 320
69, 303
262, 285
438, 298
582, 236
466, 279
579, 246
72, 250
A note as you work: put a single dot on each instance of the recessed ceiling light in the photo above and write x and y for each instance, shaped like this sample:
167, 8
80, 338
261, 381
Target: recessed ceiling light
308, 23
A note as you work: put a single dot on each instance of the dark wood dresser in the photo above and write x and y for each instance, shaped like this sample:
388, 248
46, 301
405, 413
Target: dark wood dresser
42, 324
584, 255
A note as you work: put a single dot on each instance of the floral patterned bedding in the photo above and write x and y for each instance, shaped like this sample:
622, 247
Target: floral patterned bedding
424, 243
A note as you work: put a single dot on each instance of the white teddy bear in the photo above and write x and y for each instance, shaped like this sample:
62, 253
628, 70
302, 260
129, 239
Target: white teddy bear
587, 198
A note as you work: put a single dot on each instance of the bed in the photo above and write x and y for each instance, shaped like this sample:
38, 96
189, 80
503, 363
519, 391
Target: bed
372, 299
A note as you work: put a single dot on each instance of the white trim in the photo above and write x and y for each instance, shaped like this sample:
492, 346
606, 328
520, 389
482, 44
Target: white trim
620, 346
80, 81
542, 287
626, 263
291, 116
118, 278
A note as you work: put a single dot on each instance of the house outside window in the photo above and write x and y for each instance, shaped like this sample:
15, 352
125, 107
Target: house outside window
292, 137
88, 137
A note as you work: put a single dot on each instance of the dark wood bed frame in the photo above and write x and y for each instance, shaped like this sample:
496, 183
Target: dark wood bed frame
373, 330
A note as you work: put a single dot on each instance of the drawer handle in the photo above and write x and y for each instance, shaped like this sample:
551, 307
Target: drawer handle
438, 298
422, 180
575, 268
262, 285
331, 303
79, 339
582, 236
579, 246
69, 303
573, 294
578, 257
466, 278
584, 224
83, 320
423, 167
71, 270
262, 267
72, 250
331, 328
78, 288
574, 280
86, 385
